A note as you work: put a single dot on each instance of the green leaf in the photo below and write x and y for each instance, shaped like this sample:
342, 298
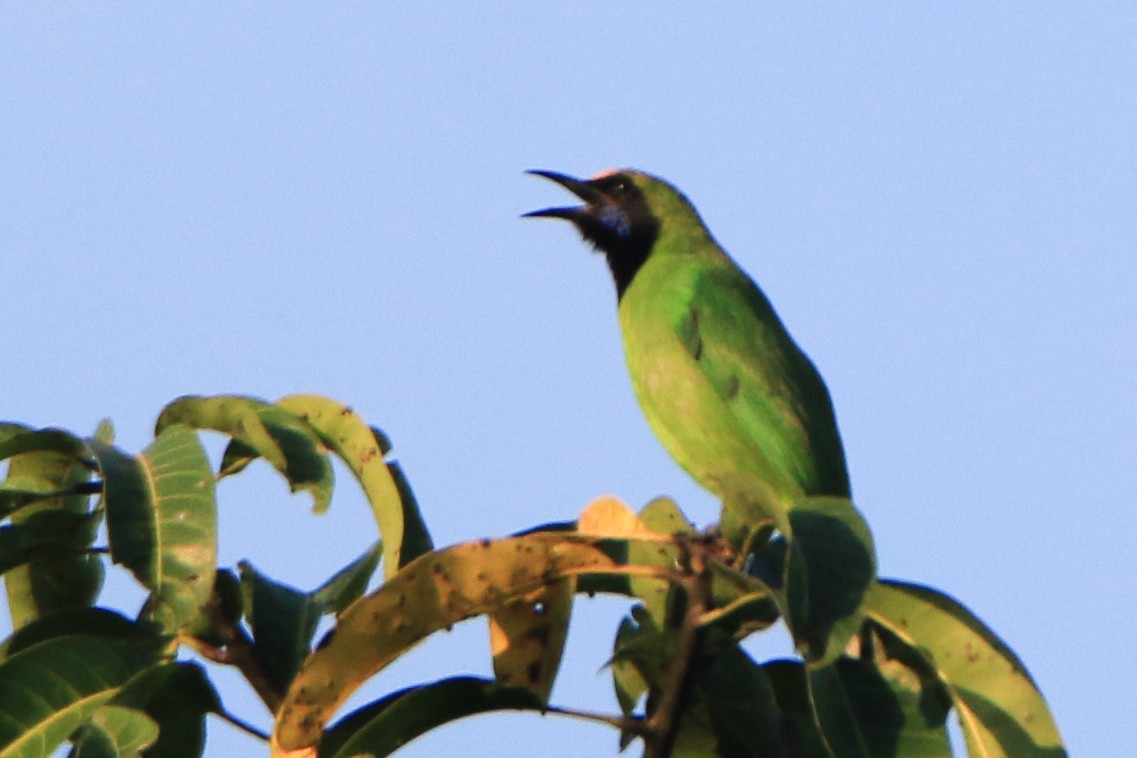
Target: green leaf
661, 516
48, 690
741, 703
384, 726
9, 429
17, 492
45, 534
115, 732
100, 622
863, 711
798, 725
695, 736
259, 429
48, 440
829, 567
284, 619
162, 521
999, 706
222, 614
416, 537
177, 696
104, 432
743, 603
60, 572
349, 583
729, 707
629, 683
646, 647
363, 450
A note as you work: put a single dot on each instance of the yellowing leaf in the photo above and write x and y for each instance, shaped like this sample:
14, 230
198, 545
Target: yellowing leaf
433, 592
528, 637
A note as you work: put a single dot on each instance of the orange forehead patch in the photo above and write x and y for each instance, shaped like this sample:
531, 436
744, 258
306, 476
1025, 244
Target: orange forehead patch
606, 173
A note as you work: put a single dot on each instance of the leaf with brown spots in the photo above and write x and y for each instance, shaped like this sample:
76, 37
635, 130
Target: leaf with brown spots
363, 449
434, 592
259, 429
999, 706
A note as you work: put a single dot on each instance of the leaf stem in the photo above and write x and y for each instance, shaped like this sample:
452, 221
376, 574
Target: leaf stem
243, 725
623, 723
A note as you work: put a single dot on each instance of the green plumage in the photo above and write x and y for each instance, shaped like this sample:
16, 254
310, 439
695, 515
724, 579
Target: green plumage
729, 394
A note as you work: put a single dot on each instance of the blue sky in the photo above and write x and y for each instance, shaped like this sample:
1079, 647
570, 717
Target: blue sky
278, 198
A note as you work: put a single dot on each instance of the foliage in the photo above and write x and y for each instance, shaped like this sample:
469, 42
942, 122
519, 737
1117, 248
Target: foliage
879, 665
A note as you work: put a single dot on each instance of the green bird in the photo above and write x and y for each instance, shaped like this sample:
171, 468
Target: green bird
724, 387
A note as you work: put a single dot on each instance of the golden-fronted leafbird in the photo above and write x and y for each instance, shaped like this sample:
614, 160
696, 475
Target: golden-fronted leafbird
724, 387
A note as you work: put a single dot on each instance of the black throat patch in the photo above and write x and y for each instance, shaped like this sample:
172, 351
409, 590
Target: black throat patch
622, 227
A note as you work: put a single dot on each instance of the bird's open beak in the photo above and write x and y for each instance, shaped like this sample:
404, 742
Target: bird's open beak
578, 187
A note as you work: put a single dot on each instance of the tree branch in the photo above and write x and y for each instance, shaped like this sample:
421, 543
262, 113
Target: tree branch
235, 649
663, 723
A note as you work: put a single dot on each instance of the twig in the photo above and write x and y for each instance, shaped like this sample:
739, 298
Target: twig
236, 649
238, 652
624, 723
244, 726
664, 721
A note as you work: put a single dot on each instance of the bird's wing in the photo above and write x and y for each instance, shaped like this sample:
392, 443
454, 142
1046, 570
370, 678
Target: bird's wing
768, 384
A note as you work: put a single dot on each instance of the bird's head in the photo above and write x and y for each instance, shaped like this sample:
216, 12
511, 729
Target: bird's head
624, 214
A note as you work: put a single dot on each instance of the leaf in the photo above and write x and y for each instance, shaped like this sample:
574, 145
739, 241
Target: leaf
259, 429
283, 624
113, 732
218, 621
284, 619
45, 534
434, 592
17, 492
631, 685
695, 736
610, 517
416, 537
162, 521
741, 704
349, 583
48, 440
381, 728
660, 516
829, 566
743, 603
729, 705
104, 432
177, 696
363, 450
663, 516
528, 635
9, 429
864, 712
999, 706
798, 727
48, 690
100, 622
55, 571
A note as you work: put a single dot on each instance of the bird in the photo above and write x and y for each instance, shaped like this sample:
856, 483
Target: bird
722, 384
